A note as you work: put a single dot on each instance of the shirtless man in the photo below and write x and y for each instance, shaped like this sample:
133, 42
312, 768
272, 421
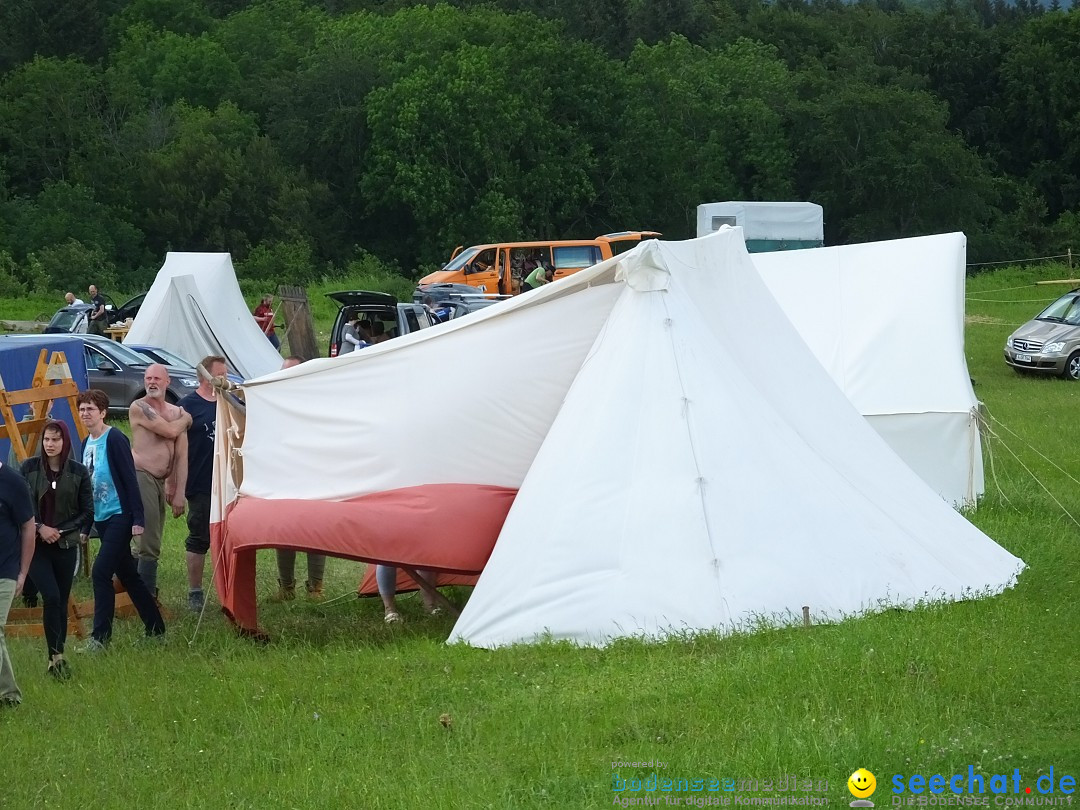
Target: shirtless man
159, 447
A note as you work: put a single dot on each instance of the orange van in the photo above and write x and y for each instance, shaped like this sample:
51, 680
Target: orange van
500, 268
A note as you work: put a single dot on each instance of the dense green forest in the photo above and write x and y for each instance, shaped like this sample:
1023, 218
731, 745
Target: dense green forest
305, 137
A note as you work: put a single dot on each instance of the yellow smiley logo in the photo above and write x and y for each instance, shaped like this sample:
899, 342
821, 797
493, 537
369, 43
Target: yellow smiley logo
862, 784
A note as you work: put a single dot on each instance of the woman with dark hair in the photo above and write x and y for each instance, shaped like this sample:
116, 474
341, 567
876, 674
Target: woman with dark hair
63, 510
118, 514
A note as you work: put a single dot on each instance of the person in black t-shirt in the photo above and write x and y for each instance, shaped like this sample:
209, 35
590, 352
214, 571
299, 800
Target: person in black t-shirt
202, 405
99, 316
17, 529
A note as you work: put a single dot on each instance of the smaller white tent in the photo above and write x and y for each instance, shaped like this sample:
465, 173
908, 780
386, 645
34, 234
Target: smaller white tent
886, 320
195, 308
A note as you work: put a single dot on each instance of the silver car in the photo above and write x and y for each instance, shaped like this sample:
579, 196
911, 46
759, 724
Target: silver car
1050, 344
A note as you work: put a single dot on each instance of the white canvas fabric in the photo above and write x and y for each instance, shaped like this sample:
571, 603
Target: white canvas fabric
886, 320
195, 308
472, 406
802, 221
668, 480
686, 486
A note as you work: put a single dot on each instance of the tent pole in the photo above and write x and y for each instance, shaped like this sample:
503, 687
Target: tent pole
431, 591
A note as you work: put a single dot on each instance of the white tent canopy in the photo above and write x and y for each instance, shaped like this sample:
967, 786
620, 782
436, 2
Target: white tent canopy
195, 309
668, 480
886, 320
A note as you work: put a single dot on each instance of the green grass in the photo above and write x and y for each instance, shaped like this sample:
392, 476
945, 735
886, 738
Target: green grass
342, 711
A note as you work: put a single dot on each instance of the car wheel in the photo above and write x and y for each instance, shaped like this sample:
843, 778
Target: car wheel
1072, 367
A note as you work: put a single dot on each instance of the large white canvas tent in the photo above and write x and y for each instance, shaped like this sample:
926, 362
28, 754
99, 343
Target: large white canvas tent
195, 308
662, 478
886, 320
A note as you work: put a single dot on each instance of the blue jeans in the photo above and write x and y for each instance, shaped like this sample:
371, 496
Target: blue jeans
115, 558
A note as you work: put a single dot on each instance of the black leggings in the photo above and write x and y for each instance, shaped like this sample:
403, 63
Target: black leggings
52, 570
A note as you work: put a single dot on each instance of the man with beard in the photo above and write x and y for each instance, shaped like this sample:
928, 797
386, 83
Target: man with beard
159, 447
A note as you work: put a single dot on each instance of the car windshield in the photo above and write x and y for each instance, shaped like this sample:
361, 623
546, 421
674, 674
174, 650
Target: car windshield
120, 352
166, 356
65, 319
1065, 310
462, 259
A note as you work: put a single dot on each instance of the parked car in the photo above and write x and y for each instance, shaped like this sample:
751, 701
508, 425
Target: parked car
1049, 344
73, 318
167, 358
456, 300
397, 318
444, 291
118, 371
129, 309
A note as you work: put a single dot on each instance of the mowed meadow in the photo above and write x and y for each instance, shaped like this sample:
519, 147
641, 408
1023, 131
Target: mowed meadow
340, 710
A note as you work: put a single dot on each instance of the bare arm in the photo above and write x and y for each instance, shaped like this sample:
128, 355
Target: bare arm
142, 415
176, 483
29, 530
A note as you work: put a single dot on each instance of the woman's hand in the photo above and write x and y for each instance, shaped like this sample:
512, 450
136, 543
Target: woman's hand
48, 534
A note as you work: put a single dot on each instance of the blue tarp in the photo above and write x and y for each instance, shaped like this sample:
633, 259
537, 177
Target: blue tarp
18, 361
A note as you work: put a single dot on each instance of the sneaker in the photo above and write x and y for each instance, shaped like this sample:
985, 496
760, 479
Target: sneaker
196, 601
10, 702
393, 617
92, 646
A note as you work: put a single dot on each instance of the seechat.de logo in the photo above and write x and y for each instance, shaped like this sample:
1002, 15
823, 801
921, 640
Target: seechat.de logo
862, 785
982, 790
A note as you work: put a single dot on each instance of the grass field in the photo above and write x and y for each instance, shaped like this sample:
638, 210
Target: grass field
342, 711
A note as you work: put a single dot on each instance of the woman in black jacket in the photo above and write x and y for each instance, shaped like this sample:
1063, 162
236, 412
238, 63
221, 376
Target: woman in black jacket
64, 509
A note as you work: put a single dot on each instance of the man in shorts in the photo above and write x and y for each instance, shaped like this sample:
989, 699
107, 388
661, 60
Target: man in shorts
201, 404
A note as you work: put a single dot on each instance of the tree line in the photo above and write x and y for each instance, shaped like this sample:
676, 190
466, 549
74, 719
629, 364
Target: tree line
304, 137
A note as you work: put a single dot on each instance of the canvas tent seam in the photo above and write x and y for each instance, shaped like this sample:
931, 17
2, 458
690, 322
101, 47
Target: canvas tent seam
206, 322
700, 480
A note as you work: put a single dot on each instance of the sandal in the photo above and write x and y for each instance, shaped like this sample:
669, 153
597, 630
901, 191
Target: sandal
435, 611
393, 618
